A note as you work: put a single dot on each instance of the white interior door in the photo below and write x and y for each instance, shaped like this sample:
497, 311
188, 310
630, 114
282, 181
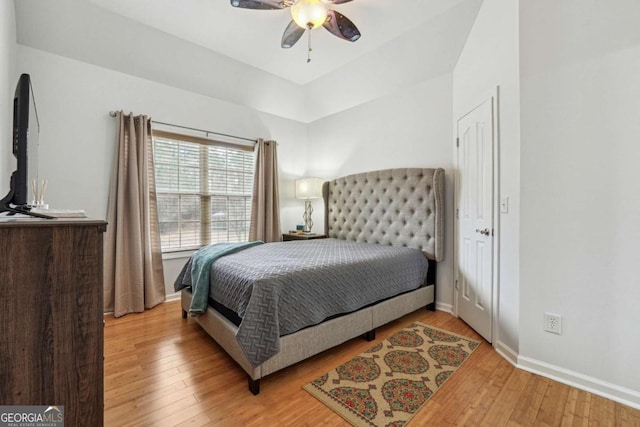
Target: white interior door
474, 212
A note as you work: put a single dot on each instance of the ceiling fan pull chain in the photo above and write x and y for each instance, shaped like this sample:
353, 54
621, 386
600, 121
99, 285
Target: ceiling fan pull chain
309, 51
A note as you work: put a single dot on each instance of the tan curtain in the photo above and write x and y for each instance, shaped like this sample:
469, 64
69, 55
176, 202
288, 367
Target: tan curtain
265, 208
133, 276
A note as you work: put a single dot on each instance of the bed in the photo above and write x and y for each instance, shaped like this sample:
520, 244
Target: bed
396, 214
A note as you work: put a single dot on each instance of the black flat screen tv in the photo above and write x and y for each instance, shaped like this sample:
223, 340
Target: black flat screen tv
24, 145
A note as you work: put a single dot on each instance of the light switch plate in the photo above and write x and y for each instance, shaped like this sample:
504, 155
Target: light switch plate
504, 205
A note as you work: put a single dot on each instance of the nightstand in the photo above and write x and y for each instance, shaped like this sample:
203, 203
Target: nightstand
287, 237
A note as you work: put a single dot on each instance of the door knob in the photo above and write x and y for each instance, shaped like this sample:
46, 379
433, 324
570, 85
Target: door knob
485, 231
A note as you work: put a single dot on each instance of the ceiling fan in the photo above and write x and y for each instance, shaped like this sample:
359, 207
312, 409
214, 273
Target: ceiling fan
307, 15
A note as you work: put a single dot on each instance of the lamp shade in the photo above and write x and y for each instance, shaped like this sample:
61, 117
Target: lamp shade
309, 188
309, 14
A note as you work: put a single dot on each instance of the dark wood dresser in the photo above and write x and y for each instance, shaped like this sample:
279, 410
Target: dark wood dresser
51, 316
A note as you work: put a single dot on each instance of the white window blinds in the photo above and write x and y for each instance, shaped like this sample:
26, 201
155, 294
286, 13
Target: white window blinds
204, 190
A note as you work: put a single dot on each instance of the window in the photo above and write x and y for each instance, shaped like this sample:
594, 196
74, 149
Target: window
204, 191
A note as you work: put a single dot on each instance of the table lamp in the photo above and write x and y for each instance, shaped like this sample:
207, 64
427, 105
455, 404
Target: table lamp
307, 189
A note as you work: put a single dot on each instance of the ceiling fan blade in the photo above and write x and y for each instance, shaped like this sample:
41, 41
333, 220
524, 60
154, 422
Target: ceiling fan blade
259, 4
338, 1
291, 35
340, 26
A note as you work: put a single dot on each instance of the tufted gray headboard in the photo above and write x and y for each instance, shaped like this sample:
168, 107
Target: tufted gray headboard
398, 207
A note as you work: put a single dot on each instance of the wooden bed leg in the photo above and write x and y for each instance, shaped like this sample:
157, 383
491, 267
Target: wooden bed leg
370, 336
254, 385
184, 314
431, 307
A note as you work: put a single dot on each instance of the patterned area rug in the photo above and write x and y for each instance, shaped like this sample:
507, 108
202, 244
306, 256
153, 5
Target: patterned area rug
386, 385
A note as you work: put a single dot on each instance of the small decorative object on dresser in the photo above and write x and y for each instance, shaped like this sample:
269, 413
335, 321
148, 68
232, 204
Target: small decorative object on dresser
286, 237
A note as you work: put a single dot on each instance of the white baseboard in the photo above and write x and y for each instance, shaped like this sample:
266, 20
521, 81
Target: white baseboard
447, 308
172, 297
168, 298
506, 352
605, 389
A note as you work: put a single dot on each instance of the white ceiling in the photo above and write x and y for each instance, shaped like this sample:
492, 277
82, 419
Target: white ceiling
253, 36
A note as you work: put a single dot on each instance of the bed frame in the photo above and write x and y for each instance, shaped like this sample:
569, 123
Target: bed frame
398, 207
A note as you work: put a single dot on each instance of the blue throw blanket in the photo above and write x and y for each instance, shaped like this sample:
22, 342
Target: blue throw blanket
201, 268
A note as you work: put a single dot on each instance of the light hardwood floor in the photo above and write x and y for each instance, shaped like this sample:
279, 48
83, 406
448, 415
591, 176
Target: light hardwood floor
162, 370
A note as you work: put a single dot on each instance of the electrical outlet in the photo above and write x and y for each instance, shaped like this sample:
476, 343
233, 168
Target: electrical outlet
553, 323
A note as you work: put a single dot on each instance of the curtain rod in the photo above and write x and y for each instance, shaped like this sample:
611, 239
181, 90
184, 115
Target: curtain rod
113, 114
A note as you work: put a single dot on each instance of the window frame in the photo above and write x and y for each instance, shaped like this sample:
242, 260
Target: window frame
205, 195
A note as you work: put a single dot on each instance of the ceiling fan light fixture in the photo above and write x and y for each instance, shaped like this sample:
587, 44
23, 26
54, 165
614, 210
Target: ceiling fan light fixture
309, 13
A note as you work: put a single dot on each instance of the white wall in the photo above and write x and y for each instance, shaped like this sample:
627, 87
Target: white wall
409, 128
490, 59
425, 52
77, 134
580, 204
7, 86
112, 41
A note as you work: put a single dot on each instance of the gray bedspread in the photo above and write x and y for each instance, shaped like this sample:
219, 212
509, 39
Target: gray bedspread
280, 288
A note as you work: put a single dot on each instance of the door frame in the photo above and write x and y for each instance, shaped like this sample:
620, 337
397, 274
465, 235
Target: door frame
493, 96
